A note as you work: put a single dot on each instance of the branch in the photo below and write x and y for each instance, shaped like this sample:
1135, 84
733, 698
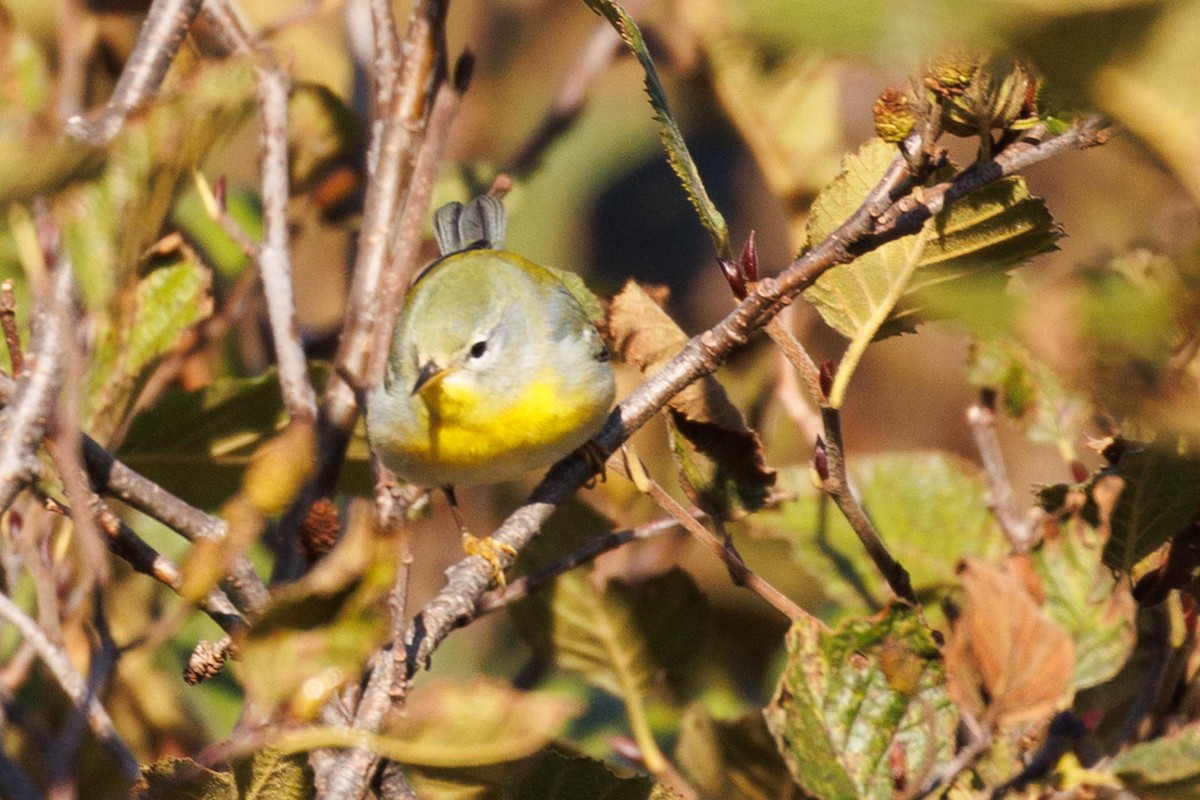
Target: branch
74, 685
23, 422
837, 485
273, 260
162, 33
982, 418
456, 604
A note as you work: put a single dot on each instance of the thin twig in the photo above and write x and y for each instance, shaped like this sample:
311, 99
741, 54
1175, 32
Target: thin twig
602, 48
274, 263
162, 33
456, 603
963, 759
55, 658
8, 322
837, 486
982, 418
23, 422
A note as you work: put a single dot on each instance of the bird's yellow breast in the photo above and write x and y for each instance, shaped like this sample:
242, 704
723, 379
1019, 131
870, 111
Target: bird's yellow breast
467, 431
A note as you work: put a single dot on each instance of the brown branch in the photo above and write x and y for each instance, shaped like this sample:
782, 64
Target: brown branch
299, 397
981, 416
455, 605
23, 422
837, 486
55, 658
8, 322
162, 33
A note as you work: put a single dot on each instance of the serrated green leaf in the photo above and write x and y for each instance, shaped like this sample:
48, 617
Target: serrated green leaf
1083, 597
851, 702
270, 775
735, 760
167, 302
928, 506
558, 777
672, 138
1161, 497
879, 295
619, 637
173, 778
1167, 767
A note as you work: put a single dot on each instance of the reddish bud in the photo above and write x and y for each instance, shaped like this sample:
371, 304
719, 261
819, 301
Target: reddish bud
749, 262
220, 192
821, 459
1079, 472
733, 275
826, 377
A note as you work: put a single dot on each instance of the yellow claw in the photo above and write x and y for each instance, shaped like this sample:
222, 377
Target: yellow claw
489, 550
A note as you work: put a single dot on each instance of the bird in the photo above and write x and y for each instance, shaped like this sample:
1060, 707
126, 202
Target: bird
495, 368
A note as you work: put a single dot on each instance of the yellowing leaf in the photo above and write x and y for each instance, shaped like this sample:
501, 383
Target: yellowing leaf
879, 294
1161, 498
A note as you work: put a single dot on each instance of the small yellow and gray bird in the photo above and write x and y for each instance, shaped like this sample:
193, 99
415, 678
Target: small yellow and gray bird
495, 368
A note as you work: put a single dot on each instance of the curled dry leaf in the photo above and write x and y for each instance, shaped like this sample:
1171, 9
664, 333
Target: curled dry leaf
720, 459
1005, 658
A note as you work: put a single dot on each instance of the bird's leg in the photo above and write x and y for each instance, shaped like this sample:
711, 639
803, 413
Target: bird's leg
591, 452
486, 548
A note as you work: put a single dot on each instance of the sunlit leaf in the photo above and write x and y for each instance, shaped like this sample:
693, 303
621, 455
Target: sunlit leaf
1004, 653
677, 151
980, 236
857, 706
735, 760
1160, 499
929, 509
477, 723
269, 775
720, 459
1083, 597
207, 236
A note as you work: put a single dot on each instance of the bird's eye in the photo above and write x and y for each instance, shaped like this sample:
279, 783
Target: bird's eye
478, 349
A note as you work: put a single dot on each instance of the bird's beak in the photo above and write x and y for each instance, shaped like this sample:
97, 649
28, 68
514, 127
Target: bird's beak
430, 373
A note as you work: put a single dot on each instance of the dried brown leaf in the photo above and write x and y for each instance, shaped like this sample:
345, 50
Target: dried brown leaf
720, 458
1005, 657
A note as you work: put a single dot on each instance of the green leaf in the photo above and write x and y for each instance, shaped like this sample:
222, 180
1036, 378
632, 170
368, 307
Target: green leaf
672, 138
173, 778
1161, 497
928, 507
1083, 597
735, 760
980, 236
852, 704
619, 637
167, 303
1168, 767
558, 777
206, 235
270, 775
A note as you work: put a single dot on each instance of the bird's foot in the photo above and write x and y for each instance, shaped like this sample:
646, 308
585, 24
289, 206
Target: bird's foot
489, 550
594, 455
